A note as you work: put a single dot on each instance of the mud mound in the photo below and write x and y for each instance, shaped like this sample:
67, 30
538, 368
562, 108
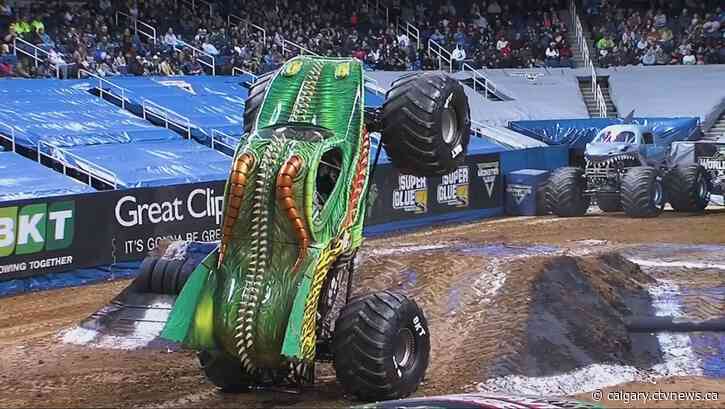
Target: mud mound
555, 314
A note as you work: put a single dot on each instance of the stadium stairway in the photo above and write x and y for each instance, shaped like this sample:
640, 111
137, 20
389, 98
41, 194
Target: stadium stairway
717, 130
585, 85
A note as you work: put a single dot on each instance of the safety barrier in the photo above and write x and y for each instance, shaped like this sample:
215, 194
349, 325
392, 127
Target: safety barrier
241, 71
198, 54
480, 82
583, 45
247, 24
219, 138
10, 136
150, 32
439, 52
151, 109
373, 85
102, 91
288, 45
108, 177
35, 55
412, 32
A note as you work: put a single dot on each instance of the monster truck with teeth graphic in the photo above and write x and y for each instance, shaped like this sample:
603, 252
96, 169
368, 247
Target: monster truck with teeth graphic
627, 167
274, 296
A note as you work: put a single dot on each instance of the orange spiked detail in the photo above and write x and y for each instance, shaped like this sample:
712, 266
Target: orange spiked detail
358, 181
237, 184
285, 197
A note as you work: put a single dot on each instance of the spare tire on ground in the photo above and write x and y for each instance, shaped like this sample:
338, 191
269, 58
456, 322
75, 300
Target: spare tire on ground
426, 124
688, 188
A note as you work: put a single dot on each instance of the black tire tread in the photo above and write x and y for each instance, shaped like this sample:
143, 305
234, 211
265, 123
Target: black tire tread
157, 276
410, 130
681, 185
145, 271
360, 345
635, 193
564, 193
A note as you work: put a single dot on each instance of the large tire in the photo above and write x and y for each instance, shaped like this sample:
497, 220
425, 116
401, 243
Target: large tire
185, 273
142, 282
565, 193
688, 188
158, 276
643, 193
609, 203
224, 371
426, 124
381, 347
171, 276
255, 99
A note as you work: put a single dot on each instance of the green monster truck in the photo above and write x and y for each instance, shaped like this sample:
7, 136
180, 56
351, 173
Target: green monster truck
260, 307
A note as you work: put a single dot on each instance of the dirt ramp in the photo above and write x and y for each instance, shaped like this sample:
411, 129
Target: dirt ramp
553, 315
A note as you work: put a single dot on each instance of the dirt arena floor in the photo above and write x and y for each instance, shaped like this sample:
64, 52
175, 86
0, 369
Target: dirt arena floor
477, 320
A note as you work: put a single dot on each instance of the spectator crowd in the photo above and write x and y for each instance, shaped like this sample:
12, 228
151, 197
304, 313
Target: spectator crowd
173, 39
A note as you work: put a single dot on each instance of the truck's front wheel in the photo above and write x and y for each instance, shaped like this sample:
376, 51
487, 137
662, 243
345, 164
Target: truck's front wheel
565, 193
381, 346
643, 193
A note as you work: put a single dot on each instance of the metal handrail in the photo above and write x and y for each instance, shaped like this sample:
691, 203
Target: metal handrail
196, 51
11, 138
373, 85
248, 23
583, 45
243, 71
136, 22
148, 107
216, 139
303, 50
101, 90
34, 55
480, 80
193, 5
111, 180
441, 53
412, 32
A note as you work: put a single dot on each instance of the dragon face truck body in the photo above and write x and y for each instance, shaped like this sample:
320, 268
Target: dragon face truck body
293, 204
261, 307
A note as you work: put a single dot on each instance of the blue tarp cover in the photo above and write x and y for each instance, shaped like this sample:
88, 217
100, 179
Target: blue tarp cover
22, 178
576, 133
146, 164
207, 102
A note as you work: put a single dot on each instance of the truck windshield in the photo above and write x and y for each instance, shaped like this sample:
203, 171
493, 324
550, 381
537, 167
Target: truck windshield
296, 130
616, 137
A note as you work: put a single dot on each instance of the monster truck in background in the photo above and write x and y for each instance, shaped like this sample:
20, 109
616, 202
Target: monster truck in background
628, 167
274, 296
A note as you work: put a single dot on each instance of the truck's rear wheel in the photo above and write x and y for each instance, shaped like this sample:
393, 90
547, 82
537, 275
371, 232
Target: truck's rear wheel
688, 189
643, 193
609, 203
426, 124
565, 192
254, 101
381, 346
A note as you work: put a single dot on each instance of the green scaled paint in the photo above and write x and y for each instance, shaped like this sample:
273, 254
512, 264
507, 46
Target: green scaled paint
252, 305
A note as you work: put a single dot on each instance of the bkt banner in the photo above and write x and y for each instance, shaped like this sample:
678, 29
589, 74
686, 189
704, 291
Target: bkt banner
67, 232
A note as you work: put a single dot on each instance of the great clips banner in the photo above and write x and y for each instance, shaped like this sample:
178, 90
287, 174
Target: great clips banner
66, 232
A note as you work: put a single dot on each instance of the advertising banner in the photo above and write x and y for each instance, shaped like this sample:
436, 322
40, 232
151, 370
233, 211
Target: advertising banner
712, 157
396, 196
62, 233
